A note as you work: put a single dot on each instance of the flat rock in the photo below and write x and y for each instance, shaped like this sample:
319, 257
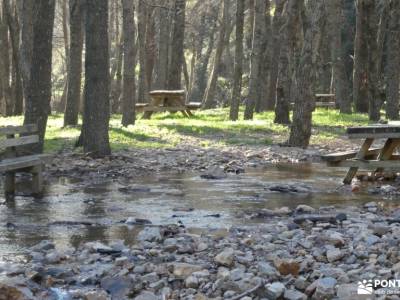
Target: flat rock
150, 234
184, 270
225, 258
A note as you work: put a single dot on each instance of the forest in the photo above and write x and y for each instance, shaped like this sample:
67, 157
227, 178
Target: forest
199, 149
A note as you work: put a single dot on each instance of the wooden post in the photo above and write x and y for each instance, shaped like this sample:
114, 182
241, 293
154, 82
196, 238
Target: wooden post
37, 180
360, 155
9, 185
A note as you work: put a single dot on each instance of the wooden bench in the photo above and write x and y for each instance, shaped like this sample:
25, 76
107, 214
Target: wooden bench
14, 160
325, 100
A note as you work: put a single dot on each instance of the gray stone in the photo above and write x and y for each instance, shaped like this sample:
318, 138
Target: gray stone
119, 286
264, 268
274, 290
325, 288
192, 282
334, 254
96, 295
225, 258
347, 291
150, 234
304, 209
146, 295
294, 295
372, 239
183, 270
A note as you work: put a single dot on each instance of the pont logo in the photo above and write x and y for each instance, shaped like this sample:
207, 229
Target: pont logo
365, 287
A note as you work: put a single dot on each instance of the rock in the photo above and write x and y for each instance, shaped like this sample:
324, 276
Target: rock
274, 290
304, 209
264, 268
137, 221
287, 266
184, 270
325, 288
119, 287
396, 267
150, 234
372, 239
334, 254
225, 258
290, 188
201, 247
146, 295
14, 289
371, 206
96, 295
347, 291
334, 238
191, 282
294, 295
379, 230
301, 283
44, 245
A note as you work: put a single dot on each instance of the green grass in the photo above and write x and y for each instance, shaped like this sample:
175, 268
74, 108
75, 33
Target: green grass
206, 128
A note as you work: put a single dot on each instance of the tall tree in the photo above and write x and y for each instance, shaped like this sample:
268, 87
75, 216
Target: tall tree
128, 77
393, 62
276, 44
256, 58
209, 95
304, 99
39, 87
75, 62
5, 71
238, 65
360, 78
341, 84
94, 135
177, 53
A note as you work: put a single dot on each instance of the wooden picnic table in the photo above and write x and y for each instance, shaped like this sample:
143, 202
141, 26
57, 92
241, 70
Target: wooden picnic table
167, 100
375, 159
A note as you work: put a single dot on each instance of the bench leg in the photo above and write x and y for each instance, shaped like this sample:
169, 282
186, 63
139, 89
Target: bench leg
189, 113
9, 185
147, 115
360, 155
387, 151
37, 180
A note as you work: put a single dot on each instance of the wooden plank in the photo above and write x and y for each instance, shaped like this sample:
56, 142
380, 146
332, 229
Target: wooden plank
325, 104
387, 151
164, 108
193, 105
338, 156
367, 164
23, 162
29, 128
23, 140
374, 131
167, 92
360, 155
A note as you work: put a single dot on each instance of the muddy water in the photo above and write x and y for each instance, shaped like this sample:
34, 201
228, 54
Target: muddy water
163, 199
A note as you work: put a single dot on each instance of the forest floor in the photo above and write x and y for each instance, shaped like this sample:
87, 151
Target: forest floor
174, 143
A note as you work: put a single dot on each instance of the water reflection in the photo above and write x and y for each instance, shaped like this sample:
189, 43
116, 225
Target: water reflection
163, 198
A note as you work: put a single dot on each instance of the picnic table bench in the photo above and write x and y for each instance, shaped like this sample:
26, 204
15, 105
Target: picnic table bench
323, 100
376, 159
15, 160
167, 100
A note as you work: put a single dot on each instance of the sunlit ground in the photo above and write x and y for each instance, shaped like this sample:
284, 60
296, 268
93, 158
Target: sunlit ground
206, 128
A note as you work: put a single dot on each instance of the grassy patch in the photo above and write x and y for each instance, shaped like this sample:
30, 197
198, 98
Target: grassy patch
206, 128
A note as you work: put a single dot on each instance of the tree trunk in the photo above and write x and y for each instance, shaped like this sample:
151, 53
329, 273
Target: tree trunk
39, 87
163, 37
177, 53
151, 46
143, 89
304, 99
66, 37
96, 114
75, 63
283, 86
209, 96
341, 85
360, 78
238, 65
129, 89
276, 45
5, 70
393, 62
256, 59
27, 16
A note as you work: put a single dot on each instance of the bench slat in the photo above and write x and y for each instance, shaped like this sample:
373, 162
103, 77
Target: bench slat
23, 140
29, 128
22, 162
367, 164
338, 156
164, 108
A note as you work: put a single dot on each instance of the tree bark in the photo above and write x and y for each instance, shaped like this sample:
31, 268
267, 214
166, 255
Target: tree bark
177, 53
276, 45
143, 89
256, 58
238, 65
128, 77
96, 114
5, 70
360, 78
39, 87
75, 63
209, 96
341, 85
304, 99
393, 62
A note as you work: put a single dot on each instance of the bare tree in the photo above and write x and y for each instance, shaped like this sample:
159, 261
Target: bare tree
75, 62
94, 135
238, 69
39, 87
129, 88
